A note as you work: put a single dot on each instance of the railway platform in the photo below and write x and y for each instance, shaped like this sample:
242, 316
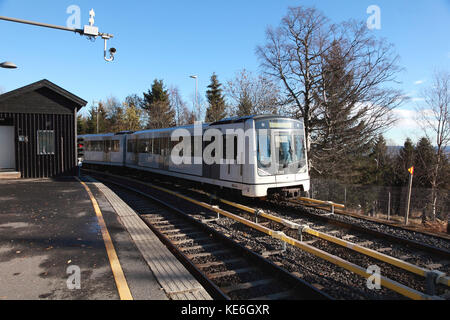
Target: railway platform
65, 239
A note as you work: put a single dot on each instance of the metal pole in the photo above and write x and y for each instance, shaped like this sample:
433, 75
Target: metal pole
97, 118
52, 26
345, 196
196, 96
409, 199
389, 207
40, 24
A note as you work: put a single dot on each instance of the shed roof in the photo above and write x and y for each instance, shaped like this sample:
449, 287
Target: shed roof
44, 84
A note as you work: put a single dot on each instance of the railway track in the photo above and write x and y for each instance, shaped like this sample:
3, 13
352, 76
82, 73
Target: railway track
225, 268
339, 209
427, 243
329, 252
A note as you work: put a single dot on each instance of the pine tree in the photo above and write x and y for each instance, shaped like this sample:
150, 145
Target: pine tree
425, 159
245, 106
380, 164
157, 104
97, 115
342, 135
216, 101
81, 124
404, 161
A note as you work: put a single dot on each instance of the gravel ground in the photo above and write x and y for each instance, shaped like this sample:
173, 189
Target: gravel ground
333, 280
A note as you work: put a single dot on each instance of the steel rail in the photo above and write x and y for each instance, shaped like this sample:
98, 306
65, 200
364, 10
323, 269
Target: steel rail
305, 202
442, 278
307, 290
386, 282
421, 246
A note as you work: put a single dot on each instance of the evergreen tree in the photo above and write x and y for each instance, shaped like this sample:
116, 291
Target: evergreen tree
216, 101
99, 113
245, 106
425, 159
342, 135
157, 105
81, 124
404, 161
380, 163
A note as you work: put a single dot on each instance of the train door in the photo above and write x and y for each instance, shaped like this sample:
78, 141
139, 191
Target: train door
132, 150
231, 169
107, 150
211, 171
165, 152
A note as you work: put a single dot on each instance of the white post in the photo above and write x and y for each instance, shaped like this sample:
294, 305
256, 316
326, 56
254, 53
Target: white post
389, 207
409, 199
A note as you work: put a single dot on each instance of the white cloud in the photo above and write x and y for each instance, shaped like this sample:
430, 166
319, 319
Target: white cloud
419, 82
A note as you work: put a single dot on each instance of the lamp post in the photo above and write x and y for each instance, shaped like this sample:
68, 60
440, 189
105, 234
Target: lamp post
196, 94
8, 65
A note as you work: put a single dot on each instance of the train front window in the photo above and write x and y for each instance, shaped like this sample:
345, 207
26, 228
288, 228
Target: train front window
290, 150
283, 143
264, 152
280, 147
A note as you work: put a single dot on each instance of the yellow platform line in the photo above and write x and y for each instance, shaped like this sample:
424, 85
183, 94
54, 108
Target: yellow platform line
119, 276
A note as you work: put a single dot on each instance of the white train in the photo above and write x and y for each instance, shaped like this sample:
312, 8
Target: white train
259, 155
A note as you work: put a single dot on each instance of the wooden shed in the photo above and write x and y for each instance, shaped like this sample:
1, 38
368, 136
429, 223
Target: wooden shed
38, 127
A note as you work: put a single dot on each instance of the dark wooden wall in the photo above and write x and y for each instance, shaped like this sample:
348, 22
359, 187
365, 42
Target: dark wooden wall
28, 162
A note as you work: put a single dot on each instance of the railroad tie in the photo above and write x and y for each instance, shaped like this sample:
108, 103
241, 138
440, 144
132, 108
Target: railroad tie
222, 274
246, 285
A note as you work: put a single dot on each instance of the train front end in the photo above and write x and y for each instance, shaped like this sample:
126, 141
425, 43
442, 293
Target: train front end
281, 158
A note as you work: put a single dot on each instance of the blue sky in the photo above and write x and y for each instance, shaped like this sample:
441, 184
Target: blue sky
173, 39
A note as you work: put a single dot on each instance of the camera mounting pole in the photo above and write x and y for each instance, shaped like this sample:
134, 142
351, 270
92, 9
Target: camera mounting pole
89, 31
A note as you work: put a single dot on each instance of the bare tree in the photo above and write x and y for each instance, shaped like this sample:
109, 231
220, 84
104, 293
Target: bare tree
293, 54
252, 94
177, 103
296, 55
434, 117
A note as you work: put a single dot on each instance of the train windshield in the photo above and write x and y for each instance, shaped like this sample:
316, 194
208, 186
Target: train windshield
280, 147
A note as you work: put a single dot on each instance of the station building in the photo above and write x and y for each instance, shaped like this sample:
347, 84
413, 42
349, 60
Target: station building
38, 131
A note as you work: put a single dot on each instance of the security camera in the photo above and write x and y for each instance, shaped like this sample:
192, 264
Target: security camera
112, 51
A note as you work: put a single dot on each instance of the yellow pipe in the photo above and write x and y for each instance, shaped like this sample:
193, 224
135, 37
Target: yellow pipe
336, 205
386, 282
369, 252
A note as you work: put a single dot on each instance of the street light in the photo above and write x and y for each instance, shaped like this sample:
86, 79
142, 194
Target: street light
8, 65
196, 94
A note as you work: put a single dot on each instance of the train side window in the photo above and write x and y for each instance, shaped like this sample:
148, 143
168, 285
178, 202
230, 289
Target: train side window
150, 145
116, 147
107, 145
156, 146
235, 142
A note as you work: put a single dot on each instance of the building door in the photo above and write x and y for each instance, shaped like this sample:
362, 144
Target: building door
7, 150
